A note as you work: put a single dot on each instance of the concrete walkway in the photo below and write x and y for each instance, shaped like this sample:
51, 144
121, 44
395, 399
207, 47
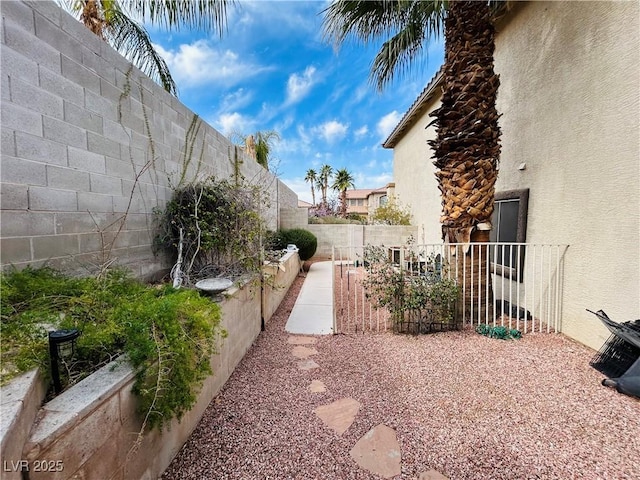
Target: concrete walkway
312, 313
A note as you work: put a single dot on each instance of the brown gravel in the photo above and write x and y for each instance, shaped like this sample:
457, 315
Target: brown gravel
465, 405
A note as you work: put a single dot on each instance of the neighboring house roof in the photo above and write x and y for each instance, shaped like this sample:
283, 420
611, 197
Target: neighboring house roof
415, 111
359, 193
365, 192
302, 203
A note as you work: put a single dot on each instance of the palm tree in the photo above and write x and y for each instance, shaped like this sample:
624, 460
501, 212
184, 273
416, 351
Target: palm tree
341, 182
110, 20
312, 178
466, 148
264, 146
323, 182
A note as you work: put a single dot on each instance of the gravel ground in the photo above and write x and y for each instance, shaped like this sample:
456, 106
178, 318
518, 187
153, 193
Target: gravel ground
465, 405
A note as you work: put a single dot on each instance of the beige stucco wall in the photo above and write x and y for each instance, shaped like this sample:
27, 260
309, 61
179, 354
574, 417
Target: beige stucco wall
569, 99
570, 96
414, 176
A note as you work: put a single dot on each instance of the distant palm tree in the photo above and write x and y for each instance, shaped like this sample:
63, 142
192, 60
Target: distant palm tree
111, 20
342, 181
466, 148
312, 178
264, 146
323, 182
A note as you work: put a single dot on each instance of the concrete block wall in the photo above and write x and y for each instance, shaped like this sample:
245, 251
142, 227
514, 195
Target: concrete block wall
355, 236
90, 146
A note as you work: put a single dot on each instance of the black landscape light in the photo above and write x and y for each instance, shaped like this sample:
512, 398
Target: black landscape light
62, 345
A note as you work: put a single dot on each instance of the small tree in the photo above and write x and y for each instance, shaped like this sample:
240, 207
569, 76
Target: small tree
391, 213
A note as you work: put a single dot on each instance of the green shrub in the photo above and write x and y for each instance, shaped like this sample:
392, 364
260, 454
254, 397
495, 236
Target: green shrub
306, 241
168, 335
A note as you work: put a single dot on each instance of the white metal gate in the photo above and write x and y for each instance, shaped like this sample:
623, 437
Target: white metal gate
524, 290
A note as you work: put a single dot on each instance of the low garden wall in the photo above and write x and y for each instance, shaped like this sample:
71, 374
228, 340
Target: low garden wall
278, 277
91, 429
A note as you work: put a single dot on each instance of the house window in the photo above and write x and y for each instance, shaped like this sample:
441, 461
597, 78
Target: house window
382, 201
509, 222
360, 202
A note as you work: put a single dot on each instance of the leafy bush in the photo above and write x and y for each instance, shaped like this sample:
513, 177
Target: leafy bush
407, 294
168, 335
306, 241
221, 228
392, 213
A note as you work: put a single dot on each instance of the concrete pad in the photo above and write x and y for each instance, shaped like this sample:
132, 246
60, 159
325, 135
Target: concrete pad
378, 452
303, 352
312, 313
316, 296
302, 340
310, 320
339, 415
317, 387
432, 475
307, 364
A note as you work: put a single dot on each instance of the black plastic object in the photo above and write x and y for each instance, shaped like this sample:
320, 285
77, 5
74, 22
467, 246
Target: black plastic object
619, 357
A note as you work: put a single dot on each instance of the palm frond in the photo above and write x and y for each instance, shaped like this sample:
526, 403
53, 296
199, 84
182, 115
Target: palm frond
410, 24
207, 15
133, 42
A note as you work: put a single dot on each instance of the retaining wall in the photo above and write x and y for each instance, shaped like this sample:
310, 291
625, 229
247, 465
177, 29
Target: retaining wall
88, 431
90, 146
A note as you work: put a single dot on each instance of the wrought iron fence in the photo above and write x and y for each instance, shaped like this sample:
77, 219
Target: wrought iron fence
516, 285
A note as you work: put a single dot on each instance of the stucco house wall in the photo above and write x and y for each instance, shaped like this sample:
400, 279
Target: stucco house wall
569, 99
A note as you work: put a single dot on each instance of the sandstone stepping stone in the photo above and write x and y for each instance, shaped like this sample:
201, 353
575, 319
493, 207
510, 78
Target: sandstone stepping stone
302, 340
303, 352
432, 475
307, 364
317, 387
378, 452
339, 415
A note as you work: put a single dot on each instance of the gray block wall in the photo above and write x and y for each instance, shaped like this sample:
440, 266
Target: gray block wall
90, 146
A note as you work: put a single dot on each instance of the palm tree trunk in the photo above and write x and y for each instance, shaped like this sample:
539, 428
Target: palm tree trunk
467, 145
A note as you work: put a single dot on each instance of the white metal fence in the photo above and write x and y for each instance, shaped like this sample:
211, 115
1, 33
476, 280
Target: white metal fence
516, 285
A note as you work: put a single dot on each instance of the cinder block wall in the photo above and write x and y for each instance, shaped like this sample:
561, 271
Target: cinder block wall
90, 146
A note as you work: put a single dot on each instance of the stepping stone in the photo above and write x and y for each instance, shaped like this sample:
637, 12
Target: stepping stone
307, 364
317, 387
303, 352
378, 452
432, 475
339, 415
302, 340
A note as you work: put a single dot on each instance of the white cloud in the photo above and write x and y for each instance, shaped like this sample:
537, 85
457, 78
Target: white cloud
298, 86
236, 100
198, 63
361, 132
229, 123
331, 131
387, 123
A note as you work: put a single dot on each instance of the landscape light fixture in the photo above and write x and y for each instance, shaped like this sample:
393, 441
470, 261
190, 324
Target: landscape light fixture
62, 346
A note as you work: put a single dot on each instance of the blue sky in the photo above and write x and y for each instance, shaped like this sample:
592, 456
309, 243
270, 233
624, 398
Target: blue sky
272, 70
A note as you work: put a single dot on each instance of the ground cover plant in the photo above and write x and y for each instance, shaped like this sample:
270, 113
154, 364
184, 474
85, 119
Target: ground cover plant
168, 335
